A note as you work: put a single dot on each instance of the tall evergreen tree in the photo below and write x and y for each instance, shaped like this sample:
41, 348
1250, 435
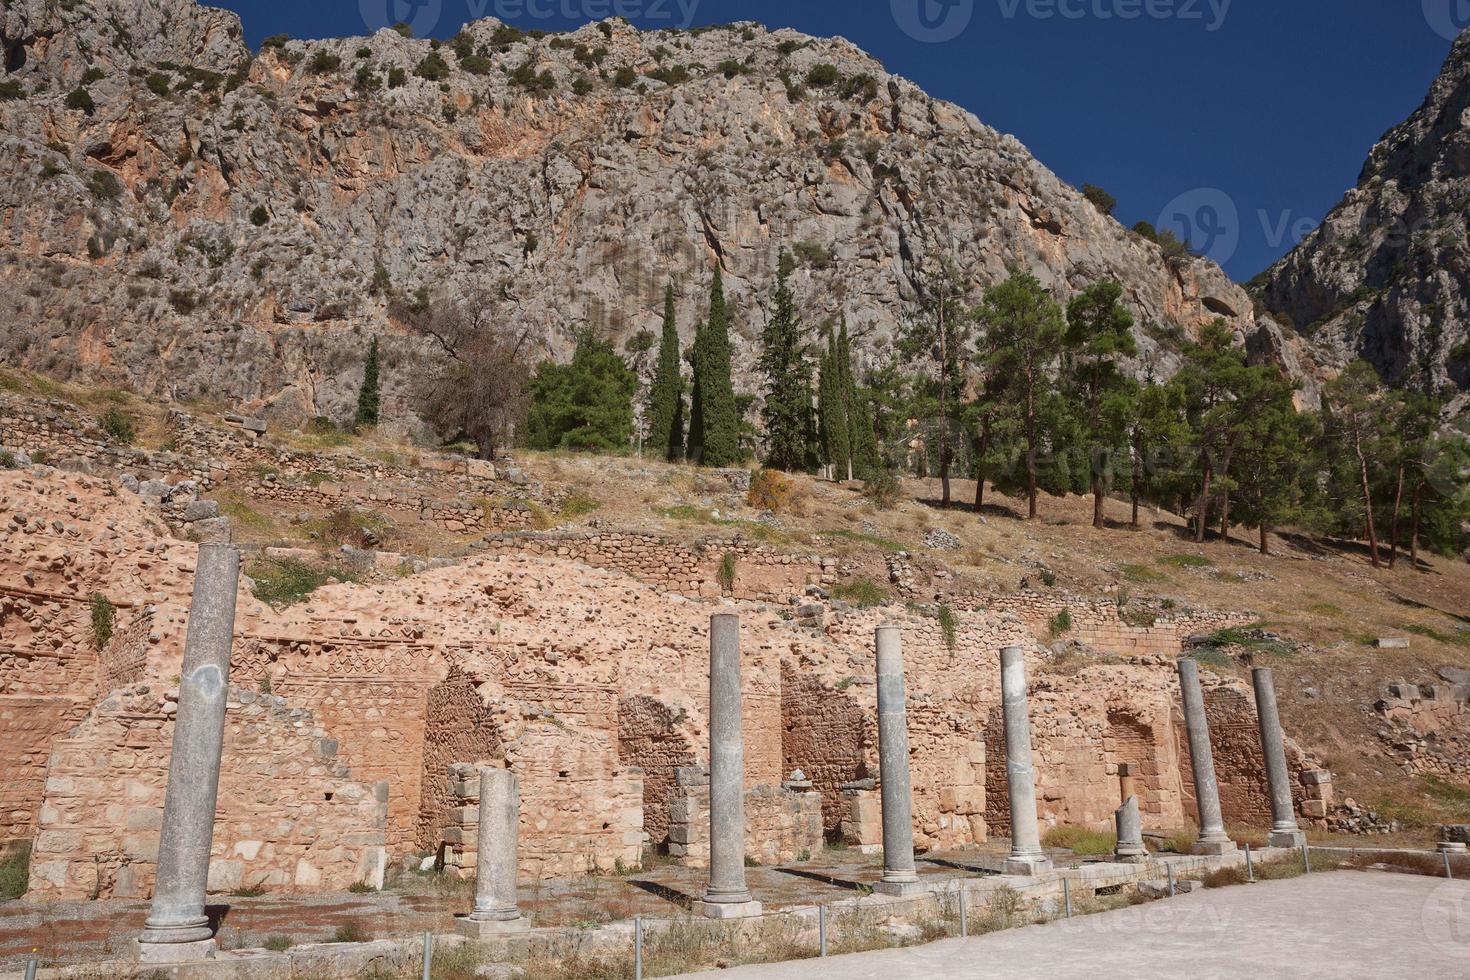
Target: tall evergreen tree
1353, 398
1099, 332
694, 443
1218, 397
367, 395
847, 394
788, 378
666, 396
1024, 328
719, 415
939, 333
836, 433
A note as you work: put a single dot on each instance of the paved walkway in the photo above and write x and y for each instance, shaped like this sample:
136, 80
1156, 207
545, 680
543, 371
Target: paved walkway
1337, 925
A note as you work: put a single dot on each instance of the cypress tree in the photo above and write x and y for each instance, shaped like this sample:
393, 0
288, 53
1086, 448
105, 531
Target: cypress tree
666, 396
694, 444
788, 402
836, 432
847, 391
720, 443
367, 395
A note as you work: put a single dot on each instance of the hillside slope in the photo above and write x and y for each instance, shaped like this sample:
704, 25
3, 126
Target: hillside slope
202, 221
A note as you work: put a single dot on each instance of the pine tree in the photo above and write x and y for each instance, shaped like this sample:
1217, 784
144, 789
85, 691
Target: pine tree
1099, 332
666, 396
783, 361
719, 442
1024, 328
367, 395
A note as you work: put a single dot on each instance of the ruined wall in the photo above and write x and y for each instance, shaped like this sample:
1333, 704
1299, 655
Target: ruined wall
458, 728
291, 817
761, 574
827, 735
781, 824
648, 740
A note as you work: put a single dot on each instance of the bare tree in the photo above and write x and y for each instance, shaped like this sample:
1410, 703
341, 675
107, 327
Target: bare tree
480, 389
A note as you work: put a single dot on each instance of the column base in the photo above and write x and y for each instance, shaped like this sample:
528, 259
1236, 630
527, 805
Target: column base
901, 889
1026, 866
185, 952
472, 928
727, 910
1131, 855
1213, 847
1287, 838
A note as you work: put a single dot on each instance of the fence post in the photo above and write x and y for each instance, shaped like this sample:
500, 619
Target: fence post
964, 916
428, 953
1306, 858
32, 965
1250, 867
1170, 869
637, 947
1067, 895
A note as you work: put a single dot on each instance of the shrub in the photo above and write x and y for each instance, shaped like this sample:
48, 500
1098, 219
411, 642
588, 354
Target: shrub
259, 216
80, 99
119, 427
948, 626
276, 41
183, 300
813, 254
1145, 229
625, 76
1060, 623
104, 614
278, 944
770, 490
822, 75
104, 185
158, 83
863, 593
433, 67
397, 77
323, 62
282, 582
1101, 199
10, 89
882, 488
403, 29
476, 65
7, 460
351, 932
15, 871
362, 888
726, 573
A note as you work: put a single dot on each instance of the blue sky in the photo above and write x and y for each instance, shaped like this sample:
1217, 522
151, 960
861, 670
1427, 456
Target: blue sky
1243, 121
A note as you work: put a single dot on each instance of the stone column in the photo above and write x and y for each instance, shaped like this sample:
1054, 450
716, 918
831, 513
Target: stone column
1284, 829
726, 896
899, 875
496, 912
177, 928
1212, 836
1128, 823
1026, 855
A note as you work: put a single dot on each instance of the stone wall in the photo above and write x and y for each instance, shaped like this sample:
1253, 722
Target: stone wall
648, 739
828, 736
1429, 725
290, 816
458, 727
760, 573
781, 824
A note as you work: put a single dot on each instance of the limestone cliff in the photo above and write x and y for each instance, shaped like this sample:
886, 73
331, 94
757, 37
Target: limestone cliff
1387, 275
189, 219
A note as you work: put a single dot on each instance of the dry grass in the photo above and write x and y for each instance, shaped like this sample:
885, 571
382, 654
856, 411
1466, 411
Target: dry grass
1081, 840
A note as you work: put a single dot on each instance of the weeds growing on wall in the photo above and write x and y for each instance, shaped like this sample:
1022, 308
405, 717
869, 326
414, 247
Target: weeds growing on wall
15, 871
726, 574
863, 593
104, 616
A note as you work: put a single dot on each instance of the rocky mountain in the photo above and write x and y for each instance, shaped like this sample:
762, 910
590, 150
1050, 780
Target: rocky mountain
186, 218
1387, 275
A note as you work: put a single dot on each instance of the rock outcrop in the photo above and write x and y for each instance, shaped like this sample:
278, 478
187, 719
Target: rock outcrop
1387, 275
188, 219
